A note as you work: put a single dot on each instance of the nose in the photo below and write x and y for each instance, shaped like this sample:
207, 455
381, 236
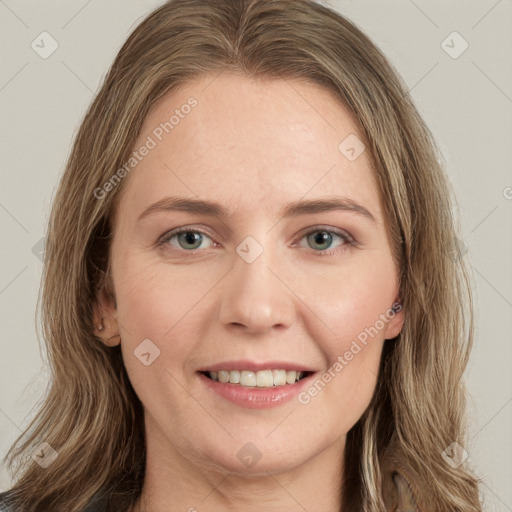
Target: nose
255, 299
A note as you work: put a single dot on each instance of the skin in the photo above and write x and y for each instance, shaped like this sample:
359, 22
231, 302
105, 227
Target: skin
252, 146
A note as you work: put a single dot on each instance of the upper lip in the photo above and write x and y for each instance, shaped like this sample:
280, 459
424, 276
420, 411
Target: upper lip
253, 366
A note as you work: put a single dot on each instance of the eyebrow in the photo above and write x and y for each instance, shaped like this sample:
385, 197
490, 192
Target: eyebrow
296, 208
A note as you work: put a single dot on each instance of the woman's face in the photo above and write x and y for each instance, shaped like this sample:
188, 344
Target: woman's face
274, 276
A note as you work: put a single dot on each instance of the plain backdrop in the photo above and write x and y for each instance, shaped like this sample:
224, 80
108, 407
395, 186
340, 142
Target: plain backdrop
464, 95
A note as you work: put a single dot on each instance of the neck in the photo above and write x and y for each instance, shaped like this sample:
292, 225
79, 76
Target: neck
173, 482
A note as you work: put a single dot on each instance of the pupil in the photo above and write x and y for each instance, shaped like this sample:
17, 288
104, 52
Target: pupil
191, 237
322, 237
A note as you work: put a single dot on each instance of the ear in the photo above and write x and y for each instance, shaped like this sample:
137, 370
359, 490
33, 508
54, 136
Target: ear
105, 317
395, 314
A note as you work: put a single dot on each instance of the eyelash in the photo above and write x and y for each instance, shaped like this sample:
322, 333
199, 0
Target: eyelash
347, 239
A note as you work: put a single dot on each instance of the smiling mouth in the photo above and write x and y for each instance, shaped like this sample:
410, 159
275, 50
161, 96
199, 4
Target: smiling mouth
259, 379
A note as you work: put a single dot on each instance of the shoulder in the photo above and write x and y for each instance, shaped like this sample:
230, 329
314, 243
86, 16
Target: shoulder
97, 504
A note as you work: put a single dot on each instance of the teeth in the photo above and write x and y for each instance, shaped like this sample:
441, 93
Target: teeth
248, 378
264, 379
261, 379
291, 377
279, 377
223, 376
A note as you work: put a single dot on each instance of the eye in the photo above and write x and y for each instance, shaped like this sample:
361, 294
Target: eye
321, 240
185, 238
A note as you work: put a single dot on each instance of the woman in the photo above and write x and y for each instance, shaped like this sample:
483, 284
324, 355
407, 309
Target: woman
254, 370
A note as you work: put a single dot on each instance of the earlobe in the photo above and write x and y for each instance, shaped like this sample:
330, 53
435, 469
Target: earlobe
105, 324
396, 320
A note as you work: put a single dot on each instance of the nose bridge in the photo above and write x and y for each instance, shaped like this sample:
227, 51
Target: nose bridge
253, 296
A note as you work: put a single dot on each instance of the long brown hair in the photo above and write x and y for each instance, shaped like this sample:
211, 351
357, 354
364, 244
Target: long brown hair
91, 415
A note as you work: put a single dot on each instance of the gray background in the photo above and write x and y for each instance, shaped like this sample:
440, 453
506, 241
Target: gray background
466, 101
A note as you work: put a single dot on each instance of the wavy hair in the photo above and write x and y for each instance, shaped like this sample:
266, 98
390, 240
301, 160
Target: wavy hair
91, 415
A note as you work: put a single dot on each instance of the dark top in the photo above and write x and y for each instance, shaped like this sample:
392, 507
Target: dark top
98, 504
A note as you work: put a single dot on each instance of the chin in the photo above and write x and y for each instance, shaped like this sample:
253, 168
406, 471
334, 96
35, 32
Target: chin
253, 458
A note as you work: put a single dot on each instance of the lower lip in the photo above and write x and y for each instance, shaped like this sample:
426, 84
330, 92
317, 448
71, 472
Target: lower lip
256, 398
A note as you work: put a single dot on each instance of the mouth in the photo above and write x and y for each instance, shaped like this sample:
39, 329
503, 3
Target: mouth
256, 384
270, 378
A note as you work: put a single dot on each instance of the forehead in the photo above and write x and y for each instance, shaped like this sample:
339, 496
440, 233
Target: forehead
237, 140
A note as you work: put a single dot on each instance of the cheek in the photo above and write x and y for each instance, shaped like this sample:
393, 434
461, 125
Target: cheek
356, 306
351, 298
153, 298
164, 304
156, 303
